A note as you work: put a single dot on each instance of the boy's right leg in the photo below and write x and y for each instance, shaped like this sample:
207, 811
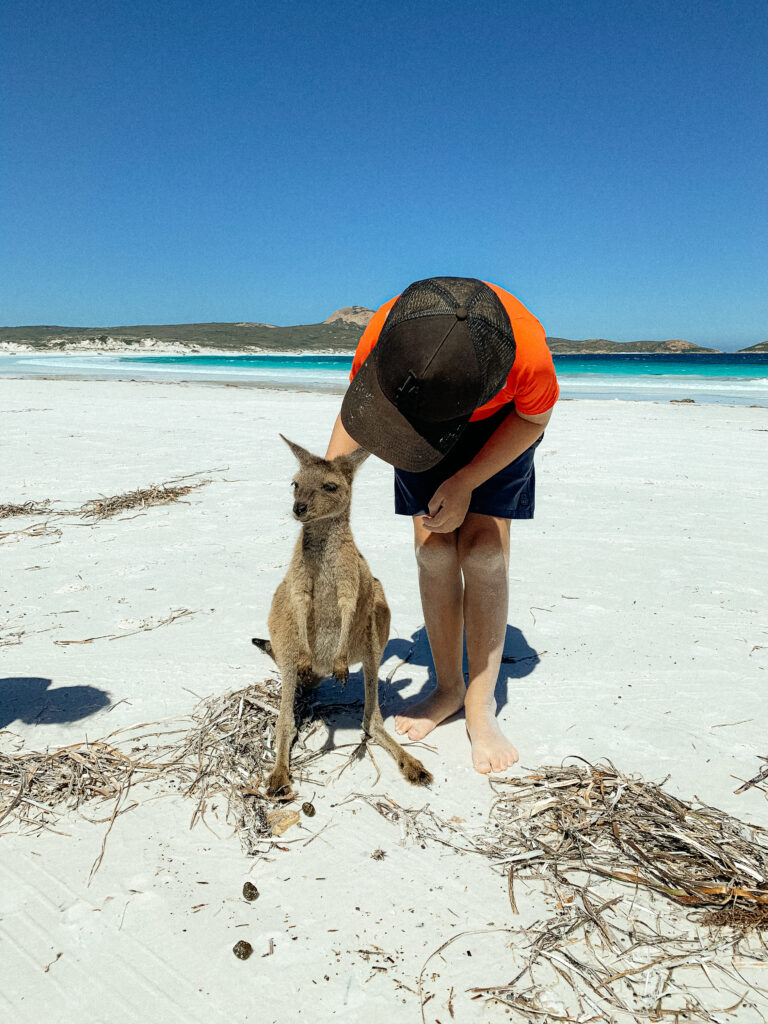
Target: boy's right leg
442, 597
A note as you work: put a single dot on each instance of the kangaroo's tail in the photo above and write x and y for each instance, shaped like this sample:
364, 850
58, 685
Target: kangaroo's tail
263, 645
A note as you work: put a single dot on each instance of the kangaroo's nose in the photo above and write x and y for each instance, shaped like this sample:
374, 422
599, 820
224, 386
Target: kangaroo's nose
299, 509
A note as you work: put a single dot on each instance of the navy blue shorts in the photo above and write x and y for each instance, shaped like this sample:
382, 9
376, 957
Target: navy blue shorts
508, 494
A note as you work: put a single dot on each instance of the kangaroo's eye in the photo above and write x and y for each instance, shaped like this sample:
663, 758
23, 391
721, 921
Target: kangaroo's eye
330, 487
294, 485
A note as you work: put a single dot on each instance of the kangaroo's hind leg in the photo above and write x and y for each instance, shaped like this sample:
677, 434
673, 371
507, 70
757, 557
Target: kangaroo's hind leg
373, 723
279, 781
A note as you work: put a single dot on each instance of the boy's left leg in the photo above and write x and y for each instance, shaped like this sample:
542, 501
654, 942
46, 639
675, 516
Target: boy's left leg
483, 549
442, 599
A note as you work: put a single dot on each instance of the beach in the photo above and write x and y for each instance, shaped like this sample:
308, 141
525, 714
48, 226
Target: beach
637, 634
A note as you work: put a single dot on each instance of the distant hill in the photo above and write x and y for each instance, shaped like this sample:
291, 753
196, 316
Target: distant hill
761, 346
358, 315
339, 333
597, 346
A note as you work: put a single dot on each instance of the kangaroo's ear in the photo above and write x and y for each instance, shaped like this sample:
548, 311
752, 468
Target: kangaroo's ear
349, 464
301, 454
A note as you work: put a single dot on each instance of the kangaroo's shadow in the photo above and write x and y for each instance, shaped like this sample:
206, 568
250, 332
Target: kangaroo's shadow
343, 708
29, 699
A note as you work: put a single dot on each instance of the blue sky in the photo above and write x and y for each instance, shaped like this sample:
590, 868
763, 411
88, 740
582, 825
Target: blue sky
188, 161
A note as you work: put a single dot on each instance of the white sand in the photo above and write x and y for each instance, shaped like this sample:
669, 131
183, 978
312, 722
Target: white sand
641, 585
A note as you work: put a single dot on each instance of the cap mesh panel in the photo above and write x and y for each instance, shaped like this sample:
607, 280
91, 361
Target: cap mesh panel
487, 322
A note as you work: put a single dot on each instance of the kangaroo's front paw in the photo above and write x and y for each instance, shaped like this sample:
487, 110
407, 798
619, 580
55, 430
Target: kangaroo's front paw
341, 670
279, 783
304, 673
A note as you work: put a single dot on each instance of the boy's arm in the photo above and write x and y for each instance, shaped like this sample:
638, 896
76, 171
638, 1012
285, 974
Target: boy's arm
448, 507
340, 443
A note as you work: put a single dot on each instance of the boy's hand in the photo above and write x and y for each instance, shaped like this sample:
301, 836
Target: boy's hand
448, 507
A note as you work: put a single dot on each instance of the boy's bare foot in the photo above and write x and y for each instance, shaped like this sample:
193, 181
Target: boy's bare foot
491, 750
434, 709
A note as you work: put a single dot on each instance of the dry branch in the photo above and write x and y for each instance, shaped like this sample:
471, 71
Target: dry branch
756, 780
35, 530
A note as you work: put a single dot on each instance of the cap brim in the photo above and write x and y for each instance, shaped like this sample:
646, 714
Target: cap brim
374, 422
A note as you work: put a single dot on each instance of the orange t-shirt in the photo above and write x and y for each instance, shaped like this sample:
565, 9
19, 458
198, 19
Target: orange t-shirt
531, 384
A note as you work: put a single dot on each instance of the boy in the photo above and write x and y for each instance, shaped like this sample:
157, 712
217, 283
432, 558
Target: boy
453, 384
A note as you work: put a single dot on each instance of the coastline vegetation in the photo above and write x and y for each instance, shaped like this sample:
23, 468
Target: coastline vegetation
337, 336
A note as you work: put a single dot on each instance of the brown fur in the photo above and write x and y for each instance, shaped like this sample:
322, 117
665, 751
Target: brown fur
329, 611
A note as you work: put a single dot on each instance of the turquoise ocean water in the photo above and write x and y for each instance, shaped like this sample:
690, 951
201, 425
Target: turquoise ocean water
721, 379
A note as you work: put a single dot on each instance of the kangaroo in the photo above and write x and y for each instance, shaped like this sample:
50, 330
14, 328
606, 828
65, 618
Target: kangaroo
329, 611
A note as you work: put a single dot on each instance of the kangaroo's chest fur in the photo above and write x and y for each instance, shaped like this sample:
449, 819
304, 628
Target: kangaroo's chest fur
328, 578
334, 577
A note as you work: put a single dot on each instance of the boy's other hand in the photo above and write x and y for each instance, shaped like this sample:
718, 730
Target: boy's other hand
448, 507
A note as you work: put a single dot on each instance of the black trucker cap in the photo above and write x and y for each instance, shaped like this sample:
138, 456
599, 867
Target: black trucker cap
445, 349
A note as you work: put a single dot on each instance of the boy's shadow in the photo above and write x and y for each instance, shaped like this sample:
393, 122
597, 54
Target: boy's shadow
29, 699
341, 709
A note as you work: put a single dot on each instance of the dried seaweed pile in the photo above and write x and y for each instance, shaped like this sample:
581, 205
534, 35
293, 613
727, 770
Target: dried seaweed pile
624, 862
141, 498
97, 509
28, 508
224, 749
229, 751
39, 786
597, 820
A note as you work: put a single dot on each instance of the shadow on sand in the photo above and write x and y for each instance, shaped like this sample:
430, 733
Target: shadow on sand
343, 708
29, 699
